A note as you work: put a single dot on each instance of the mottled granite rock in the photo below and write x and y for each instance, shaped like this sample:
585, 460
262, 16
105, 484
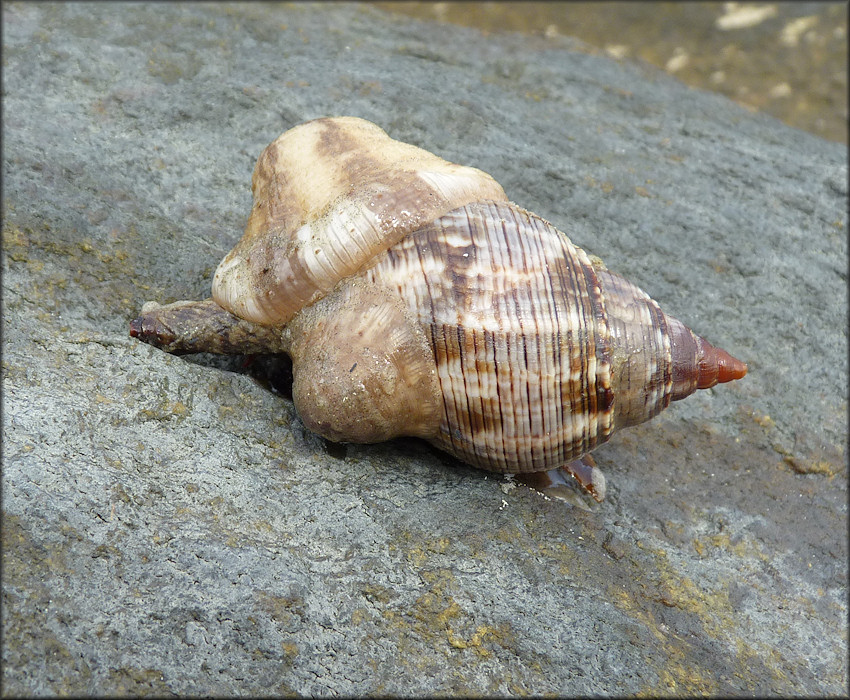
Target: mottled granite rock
169, 527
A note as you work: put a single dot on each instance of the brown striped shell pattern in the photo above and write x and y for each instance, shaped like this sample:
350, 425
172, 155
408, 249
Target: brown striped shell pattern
415, 299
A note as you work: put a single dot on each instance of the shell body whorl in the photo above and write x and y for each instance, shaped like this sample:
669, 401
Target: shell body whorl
522, 357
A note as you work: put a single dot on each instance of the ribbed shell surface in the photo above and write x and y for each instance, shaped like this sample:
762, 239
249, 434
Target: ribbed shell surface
644, 376
516, 321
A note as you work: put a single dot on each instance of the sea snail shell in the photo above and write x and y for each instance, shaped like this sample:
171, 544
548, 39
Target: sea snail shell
415, 299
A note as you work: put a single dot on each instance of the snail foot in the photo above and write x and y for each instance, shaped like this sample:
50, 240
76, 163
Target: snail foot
562, 481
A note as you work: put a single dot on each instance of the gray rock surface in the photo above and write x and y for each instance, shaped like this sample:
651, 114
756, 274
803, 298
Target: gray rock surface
169, 527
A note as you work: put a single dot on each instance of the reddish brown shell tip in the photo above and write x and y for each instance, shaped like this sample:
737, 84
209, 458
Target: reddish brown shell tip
717, 366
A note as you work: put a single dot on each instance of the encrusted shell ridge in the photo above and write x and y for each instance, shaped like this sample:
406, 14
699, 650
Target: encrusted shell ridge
328, 196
